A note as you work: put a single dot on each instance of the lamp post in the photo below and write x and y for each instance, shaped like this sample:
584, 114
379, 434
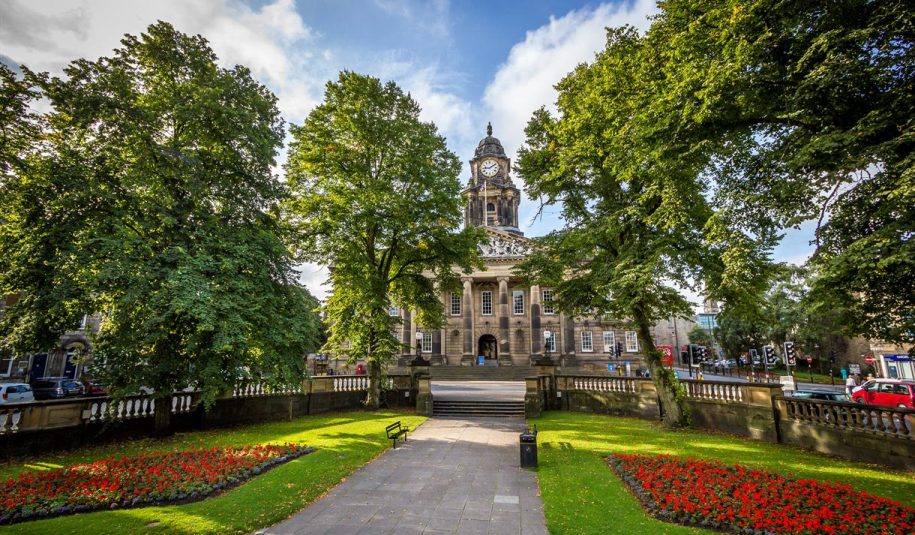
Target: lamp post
419, 344
547, 335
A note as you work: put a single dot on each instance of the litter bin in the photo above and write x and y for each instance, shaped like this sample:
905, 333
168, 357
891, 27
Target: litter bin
529, 448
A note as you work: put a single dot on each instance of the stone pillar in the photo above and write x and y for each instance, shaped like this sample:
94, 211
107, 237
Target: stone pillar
467, 323
407, 333
568, 340
504, 318
536, 335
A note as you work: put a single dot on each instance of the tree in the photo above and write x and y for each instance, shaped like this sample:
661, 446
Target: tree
740, 330
698, 335
807, 107
156, 206
636, 218
376, 197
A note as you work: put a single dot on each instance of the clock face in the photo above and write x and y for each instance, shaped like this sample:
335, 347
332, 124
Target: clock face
489, 168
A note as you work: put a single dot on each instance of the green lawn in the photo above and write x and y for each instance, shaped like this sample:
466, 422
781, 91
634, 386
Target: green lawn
582, 496
344, 442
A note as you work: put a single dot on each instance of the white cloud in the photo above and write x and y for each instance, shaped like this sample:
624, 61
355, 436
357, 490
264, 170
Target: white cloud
47, 35
525, 81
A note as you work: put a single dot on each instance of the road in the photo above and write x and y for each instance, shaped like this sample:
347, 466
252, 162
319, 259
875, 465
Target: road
683, 373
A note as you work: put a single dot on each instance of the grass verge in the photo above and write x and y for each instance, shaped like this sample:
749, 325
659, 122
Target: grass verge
344, 442
582, 495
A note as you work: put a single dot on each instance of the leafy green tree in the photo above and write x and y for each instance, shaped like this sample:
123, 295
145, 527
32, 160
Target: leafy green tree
376, 197
636, 217
740, 330
156, 206
808, 107
698, 335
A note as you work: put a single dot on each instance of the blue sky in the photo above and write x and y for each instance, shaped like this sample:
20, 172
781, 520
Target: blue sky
465, 62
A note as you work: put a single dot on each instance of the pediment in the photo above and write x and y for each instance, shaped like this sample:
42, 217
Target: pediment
504, 245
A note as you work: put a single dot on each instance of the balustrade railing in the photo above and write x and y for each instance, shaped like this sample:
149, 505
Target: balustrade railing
716, 391
885, 421
108, 410
586, 383
257, 389
9, 420
356, 383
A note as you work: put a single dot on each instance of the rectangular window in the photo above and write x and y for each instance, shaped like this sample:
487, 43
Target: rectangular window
393, 311
587, 342
548, 309
551, 343
455, 304
487, 303
427, 342
609, 341
518, 302
6, 365
632, 342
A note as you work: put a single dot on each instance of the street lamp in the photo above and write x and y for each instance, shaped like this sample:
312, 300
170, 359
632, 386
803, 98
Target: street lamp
419, 344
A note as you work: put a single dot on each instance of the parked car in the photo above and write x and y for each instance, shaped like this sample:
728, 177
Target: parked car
827, 396
57, 388
886, 392
15, 393
94, 388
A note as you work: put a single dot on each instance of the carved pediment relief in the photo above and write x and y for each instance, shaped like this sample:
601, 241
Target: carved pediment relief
504, 246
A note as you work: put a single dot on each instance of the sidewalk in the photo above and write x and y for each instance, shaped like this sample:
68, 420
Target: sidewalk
451, 476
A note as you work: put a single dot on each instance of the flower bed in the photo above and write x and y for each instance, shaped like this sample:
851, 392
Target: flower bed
153, 479
736, 498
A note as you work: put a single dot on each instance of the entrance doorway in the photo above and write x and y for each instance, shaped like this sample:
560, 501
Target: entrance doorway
488, 348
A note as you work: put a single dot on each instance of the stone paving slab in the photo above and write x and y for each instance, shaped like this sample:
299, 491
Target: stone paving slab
451, 476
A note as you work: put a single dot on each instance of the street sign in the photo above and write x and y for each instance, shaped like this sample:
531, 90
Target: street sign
668, 358
869, 359
610, 367
809, 361
854, 368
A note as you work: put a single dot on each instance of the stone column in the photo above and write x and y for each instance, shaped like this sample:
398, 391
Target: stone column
467, 324
536, 335
504, 318
568, 335
407, 333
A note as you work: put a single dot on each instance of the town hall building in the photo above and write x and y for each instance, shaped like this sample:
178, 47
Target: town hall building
497, 321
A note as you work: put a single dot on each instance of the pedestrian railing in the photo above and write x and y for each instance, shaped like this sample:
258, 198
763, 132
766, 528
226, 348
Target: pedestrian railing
885, 421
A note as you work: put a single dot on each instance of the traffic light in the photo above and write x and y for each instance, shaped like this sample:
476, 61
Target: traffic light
790, 354
832, 357
754, 356
769, 353
702, 353
618, 350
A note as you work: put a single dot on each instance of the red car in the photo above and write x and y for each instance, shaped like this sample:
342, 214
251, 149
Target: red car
886, 392
94, 388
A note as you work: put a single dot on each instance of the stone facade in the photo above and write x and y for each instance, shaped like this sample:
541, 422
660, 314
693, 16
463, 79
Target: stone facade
493, 314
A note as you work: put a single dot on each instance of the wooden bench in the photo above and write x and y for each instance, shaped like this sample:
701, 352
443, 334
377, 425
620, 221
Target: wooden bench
395, 431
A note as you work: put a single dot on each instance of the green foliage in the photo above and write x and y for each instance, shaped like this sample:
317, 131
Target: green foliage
582, 496
637, 220
344, 442
808, 109
698, 335
376, 197
155, 205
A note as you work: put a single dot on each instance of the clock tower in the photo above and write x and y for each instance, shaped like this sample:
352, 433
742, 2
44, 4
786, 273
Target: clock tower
491, 198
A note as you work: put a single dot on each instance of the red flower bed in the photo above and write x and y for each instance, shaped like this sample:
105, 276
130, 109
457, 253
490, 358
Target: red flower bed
156, 478
740, 499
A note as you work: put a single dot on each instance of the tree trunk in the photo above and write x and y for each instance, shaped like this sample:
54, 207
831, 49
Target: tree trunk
163, 417
675, 413
373, 398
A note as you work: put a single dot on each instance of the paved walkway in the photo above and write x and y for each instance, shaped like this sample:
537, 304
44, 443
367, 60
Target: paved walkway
451, 476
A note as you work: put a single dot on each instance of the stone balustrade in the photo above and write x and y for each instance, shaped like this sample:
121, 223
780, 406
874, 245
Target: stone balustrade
258, 389
10, 417
717, 391
591, 383
882, 421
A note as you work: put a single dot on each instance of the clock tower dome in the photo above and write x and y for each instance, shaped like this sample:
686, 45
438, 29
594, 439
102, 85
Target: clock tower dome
491, 198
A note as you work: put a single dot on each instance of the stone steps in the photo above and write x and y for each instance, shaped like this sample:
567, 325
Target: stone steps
480, 373
478, 409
